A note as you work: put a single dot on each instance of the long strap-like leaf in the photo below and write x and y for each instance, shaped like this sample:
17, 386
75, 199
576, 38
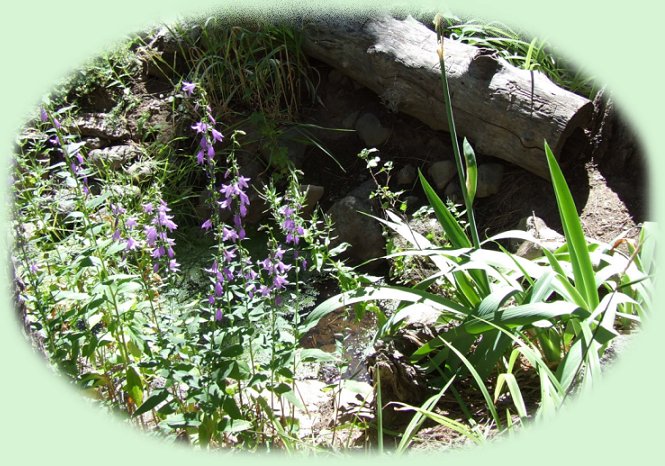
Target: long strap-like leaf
585, 281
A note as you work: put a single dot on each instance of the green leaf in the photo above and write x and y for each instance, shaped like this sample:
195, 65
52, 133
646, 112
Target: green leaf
515, 392
585, 282
471, 170
442, 420
373, 293
294, 399
647, 251
134, 385
479, 381
207, 429
524, 315
450, 225
234, 425
151, 402
357, 386
70, 296
315, 354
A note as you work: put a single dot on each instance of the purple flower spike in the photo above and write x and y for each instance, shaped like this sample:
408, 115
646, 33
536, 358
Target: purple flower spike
173, 265
229, 234
216, 135
219, 315
188, 88
151, 235
147, 208
43, 115
131, 244
200, 127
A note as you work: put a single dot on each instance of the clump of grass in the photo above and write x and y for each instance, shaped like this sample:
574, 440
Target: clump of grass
521, 50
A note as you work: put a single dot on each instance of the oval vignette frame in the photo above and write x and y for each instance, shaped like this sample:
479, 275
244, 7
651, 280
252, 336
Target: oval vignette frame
46, 420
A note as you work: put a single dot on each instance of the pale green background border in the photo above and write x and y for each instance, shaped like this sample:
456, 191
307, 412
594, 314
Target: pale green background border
42, 420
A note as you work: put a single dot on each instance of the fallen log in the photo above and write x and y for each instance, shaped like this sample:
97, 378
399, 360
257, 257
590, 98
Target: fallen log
502, 110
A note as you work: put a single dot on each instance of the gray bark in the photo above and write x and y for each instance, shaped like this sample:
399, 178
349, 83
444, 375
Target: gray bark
502, 110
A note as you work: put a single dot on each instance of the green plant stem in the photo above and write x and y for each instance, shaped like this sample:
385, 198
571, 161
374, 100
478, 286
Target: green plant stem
458, 157
86, 225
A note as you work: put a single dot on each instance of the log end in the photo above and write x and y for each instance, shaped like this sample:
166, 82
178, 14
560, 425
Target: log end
574, 140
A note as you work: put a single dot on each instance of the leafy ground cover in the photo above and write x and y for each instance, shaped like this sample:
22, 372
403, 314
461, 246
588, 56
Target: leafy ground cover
177, 286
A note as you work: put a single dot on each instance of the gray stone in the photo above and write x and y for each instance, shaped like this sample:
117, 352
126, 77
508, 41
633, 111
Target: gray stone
250, 165
99, 125
313, 194
289, 147
412, 203
258, 208
364, 190
123, 190
93, 143
370, 130
142, 171
362, 233
113, 157
490, 176
406, 176
547, 237
454, 193
441, 173
296, 145
350, 121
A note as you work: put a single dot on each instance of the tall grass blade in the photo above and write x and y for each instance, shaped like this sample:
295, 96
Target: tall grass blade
585, 281
452, 229
418, 418
479, 381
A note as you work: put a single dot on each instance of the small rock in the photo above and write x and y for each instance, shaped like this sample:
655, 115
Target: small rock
141, 171
370, 130
113, 157
123, 190
548, 238
406, 176
363, 233
313, 194
364, 190
93, 143
454, 193
258, 209
290, 148
350, 121
419, 314
412, 203
441, 173
97, 125
490, 176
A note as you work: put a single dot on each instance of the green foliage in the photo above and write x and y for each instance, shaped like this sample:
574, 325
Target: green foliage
209, 349
516, 47
558, 312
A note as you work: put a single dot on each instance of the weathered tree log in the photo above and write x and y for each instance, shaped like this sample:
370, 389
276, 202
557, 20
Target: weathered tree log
502, 110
